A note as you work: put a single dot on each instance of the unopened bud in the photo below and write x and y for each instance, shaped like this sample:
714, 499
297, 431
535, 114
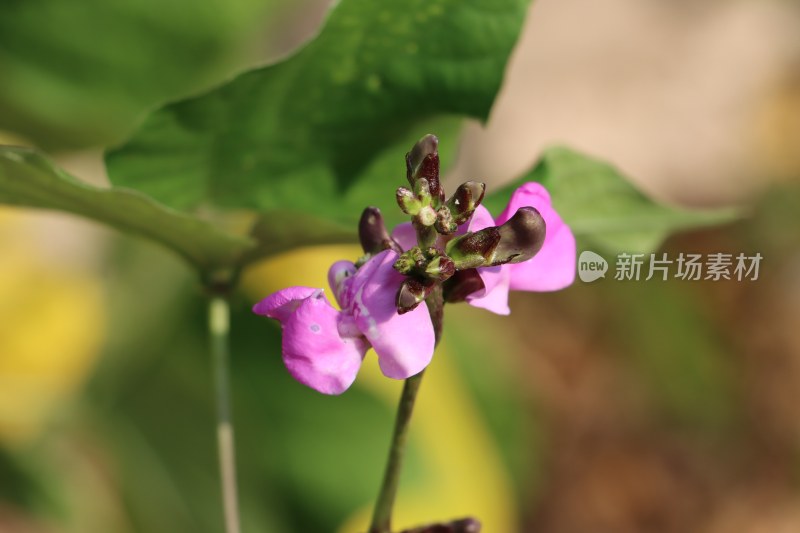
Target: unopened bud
413, 260
520, 237
462, 284
426, 216
408, 201
473, 250
440, 268
423, 162
373, 234
444, 221
467, 197
428, 145
412, 292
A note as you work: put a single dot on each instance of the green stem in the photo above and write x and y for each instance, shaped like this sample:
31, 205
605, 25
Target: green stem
382, 515
219, 327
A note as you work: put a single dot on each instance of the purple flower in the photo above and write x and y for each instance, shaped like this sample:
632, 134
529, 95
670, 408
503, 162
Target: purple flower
323, 348
551, 269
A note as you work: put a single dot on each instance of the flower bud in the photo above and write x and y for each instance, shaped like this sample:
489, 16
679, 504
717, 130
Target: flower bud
428, 145
413, 260
444, 221
426, 216
520, 237
423, 162
440, 268
412, 292
372, 233
475, 249
462, 284
467, 197
514, 242
408, 201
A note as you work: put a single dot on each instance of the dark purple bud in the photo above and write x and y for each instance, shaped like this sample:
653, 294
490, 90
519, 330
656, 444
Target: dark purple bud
521, 237
462, 284
412, 292
467, 197
373, 234
423, 162
474, 249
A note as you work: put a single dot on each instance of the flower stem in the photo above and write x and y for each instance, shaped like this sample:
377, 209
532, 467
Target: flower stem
382, 515
219, 327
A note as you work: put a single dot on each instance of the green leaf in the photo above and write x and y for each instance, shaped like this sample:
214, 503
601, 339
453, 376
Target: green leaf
602, 207
299, 134
30, 180
81, 73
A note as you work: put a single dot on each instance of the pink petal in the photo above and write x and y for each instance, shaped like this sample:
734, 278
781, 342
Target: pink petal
280, 305
404, 343
553, 268
405, 235
481, 219
494, 296
314, 351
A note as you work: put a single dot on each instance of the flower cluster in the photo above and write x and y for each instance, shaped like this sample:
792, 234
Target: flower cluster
452, 249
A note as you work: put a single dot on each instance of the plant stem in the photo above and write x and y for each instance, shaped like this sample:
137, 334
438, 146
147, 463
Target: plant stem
219, 327
382, 515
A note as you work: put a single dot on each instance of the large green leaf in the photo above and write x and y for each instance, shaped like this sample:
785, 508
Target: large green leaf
298, 134
79, 73
28, 179
602, 207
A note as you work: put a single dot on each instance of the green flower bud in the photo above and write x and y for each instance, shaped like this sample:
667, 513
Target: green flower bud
408, 201
440, 268
413, 260
426, 216
444, 221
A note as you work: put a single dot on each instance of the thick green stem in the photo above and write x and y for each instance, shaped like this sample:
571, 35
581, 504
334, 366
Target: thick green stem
382, 515
219, 326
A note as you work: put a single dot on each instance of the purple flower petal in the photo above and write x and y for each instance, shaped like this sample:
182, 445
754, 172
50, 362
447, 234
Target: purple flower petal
494, 295
481, 219
405, 235
315, 352
404, 343
280, 305
553, 268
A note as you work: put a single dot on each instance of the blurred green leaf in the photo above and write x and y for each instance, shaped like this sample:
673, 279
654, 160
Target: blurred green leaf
28, 179
82, 73
298, 134
602, 207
